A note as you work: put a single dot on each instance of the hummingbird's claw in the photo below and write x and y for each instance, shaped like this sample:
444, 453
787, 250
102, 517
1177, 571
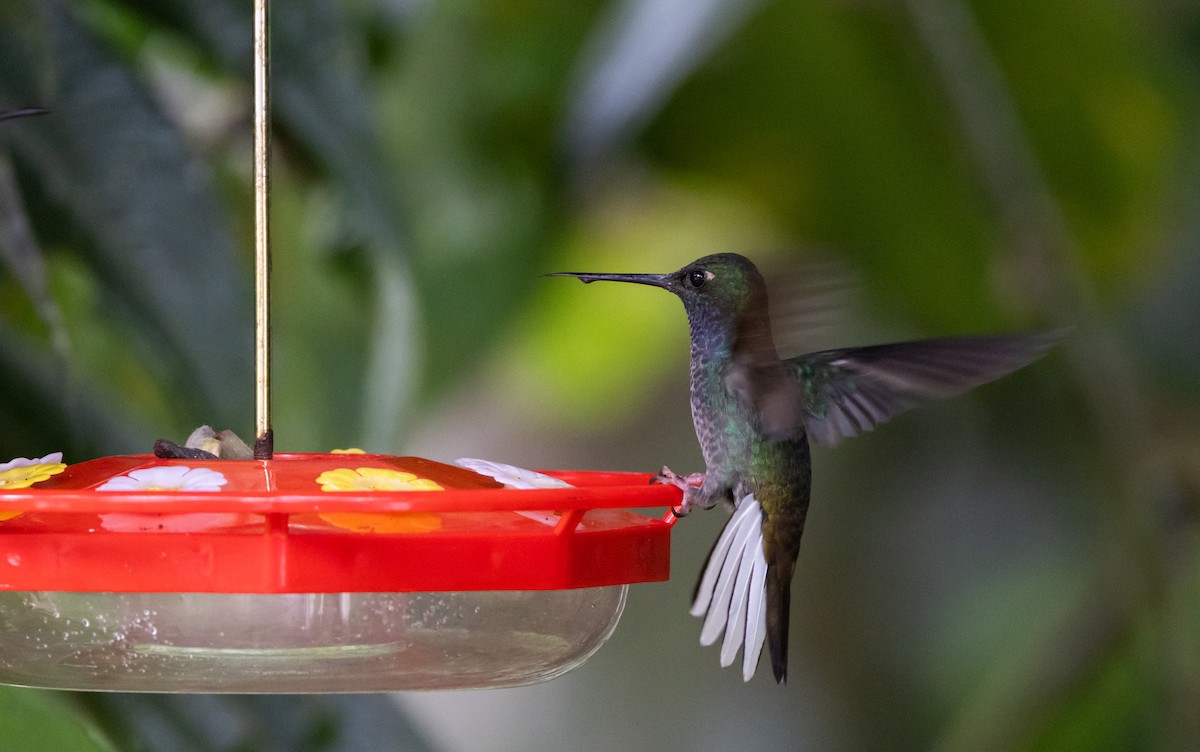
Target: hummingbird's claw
682, 482
689, 484
677, 512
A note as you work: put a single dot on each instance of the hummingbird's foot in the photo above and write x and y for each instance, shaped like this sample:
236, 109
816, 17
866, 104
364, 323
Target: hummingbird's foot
689, 484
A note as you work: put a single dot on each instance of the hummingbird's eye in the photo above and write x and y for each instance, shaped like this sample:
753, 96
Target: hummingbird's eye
697, 278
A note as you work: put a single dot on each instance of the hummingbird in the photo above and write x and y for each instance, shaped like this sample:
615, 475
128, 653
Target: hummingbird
754, 414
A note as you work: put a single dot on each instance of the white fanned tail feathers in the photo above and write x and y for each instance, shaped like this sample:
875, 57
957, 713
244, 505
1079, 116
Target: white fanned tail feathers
732, 593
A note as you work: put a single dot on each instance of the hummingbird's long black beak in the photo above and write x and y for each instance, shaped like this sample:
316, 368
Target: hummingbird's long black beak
654, 280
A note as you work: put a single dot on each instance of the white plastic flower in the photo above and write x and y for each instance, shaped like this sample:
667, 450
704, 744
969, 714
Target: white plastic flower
513, 477
50, 459
520, 479
166, 478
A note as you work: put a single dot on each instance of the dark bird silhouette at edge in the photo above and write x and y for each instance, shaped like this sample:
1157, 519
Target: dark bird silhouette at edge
23, 112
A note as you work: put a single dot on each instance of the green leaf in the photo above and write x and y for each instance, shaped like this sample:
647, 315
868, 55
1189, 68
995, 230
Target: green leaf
321, 108
32, 720
851, 140
146, 213
262, 723
636, 57
20, 252
43, 409
1109, 711
27, 56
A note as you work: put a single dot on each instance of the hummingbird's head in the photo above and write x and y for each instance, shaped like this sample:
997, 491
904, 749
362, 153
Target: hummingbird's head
721, 293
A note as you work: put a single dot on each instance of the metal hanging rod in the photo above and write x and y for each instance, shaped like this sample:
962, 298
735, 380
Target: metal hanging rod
264, 442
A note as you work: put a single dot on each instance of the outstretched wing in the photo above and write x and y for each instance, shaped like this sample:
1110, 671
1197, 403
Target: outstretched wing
731, 592
847, 392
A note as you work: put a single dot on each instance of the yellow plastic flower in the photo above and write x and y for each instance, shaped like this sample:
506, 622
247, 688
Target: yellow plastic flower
24, 477
351, 450
23, 473
378, 479
373, 479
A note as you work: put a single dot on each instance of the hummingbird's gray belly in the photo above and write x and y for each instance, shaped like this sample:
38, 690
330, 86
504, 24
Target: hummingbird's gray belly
726, 440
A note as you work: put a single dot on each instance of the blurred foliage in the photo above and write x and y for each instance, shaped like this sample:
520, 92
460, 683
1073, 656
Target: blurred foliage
34, 720
1030, 579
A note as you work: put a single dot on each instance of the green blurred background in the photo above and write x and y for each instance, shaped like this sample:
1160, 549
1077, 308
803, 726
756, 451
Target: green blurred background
1014, 570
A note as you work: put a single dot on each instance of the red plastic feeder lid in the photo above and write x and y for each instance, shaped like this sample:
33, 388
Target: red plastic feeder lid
267, 526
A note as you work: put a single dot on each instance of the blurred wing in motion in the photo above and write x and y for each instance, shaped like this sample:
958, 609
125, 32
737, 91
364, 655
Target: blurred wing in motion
731, 593
847, 392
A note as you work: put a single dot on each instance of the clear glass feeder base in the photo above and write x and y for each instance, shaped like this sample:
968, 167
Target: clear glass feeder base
300, 643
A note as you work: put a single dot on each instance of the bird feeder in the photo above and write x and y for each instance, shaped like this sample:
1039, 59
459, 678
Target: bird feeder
313, 572
273, 584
